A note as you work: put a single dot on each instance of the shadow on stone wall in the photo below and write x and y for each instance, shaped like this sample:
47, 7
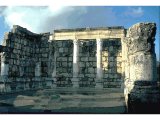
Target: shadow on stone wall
87, 63
144, 98
112, 63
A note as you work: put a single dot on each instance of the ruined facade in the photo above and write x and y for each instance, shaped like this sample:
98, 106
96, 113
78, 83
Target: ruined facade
98, 58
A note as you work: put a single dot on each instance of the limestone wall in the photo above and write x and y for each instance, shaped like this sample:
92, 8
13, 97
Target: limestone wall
18, 65
87, 63
112, 63
64, 62
30, 60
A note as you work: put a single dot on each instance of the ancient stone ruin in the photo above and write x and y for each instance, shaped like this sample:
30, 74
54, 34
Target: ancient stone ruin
83, 58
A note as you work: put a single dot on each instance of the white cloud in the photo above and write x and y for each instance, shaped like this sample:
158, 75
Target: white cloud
48, 18
134, 12
30, 17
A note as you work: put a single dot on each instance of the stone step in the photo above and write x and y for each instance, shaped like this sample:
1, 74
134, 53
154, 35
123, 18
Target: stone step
84, 90
69, 101
108, 101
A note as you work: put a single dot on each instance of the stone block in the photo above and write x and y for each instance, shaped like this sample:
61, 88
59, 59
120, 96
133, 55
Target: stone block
119, 70
44, 55
119, 53
111, 48
106, 75
111, 59
105, 64
104, 59
94, 64
119, 58
111, 64
84, 59
109, 71
11, 61
81, 64
113, 70
87, 64
91, 75
91, 70
59, 44
64, 64
61, 50
64, 70
115, 76
81, 75
65, 50
111, 76
64, 59
92, 58
105, 70
70, 58
70, 64
83, 70
104, 53
119, 64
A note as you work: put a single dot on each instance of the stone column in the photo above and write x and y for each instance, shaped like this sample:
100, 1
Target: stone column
75, 63
4, 69
123, 55
4, 87
38, 69
123, 59
52, 63
142, 83
54, 71
127, 82
99, 75
38, 73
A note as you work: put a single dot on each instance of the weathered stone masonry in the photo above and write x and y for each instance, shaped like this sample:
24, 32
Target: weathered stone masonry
24, 65
111, 57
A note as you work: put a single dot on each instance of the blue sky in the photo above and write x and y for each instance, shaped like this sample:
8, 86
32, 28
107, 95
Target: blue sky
44, 19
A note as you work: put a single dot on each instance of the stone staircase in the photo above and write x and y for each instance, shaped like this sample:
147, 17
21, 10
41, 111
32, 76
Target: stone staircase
67, 100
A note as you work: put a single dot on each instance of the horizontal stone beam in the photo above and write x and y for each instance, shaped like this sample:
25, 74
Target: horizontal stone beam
96, 34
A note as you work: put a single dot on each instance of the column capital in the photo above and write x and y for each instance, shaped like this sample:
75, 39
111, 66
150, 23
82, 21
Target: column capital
141, 37
75, 41
99, 41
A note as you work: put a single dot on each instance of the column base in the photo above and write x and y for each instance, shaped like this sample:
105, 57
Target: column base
4, 84
75, 83
54, 83
99, 85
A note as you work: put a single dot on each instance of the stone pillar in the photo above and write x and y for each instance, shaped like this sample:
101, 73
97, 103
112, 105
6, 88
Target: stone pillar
54, 71
127, 82
52, 63
4, 87
123, 58
38, 73
38, 69
142, 83
4, 69
75, 63
99, 75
